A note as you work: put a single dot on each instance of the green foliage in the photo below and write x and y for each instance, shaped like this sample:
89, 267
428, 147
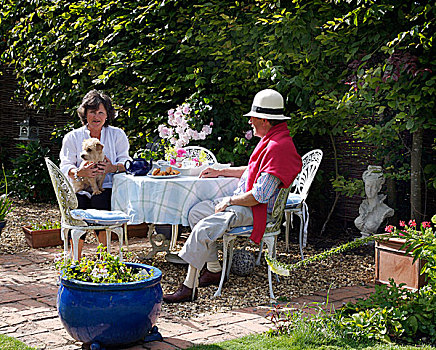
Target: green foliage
5, 201
240, 152
103, 269
29, 178
154, 148
392, 314
148, 57
48, 225
348, 188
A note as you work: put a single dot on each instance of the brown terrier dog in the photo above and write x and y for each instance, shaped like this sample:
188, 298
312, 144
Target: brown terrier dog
92, 152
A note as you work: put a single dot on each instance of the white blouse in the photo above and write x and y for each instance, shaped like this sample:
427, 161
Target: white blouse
114, 140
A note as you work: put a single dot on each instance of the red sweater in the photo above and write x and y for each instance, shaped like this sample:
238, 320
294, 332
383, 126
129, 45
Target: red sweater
275, 154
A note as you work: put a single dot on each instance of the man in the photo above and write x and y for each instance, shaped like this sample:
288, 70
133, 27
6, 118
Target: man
273, 164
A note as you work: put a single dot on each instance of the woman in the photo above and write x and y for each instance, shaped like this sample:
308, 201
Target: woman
95, 112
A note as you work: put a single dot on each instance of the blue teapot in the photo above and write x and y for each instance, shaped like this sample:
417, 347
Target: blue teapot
138, 166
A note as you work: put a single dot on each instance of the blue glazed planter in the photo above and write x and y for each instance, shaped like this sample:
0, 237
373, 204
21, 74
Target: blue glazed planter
111, 314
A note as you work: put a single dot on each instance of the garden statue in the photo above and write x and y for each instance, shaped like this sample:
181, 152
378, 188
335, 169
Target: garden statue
372, 211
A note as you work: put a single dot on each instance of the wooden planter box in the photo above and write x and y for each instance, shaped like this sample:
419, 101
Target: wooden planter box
393, 262
42, 238
52, 238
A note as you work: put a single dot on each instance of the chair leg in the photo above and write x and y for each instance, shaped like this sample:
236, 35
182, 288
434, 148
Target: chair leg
108, 240
230, 256
259, 256
226, 242
64, 235
288, 222
75, 236
120, 240
300, 238
195, 286
270, 244
126, 239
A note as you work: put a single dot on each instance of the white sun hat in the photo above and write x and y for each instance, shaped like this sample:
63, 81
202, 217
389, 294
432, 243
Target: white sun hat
267, 104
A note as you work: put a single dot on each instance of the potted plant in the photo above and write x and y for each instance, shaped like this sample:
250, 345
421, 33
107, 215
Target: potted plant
5, 204
407, 255
40, 235
105, 302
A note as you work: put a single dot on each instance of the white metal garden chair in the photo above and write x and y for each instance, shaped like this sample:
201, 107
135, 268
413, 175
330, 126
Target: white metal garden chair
296, 203
79, 221
195, 151
272, 230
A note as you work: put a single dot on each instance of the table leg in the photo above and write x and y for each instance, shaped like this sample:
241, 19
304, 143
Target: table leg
173, 257
158, 242
174, 235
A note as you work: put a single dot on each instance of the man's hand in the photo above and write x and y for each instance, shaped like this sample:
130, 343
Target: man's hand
221, 206
209, 172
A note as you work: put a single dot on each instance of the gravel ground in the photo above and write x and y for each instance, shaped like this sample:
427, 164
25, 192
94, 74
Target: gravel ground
353, 268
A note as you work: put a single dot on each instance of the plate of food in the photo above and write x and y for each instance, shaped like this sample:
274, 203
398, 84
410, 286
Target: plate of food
163, 173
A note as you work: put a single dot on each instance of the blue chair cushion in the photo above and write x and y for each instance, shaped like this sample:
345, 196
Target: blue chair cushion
100, 217
240, 230
293, 201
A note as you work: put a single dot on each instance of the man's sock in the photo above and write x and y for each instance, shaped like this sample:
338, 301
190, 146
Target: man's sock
191, 277
214, 266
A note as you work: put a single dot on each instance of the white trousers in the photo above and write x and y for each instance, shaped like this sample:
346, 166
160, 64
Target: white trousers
208, 227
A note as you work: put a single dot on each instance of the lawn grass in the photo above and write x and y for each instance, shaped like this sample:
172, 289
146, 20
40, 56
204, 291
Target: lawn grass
263, 342
9, 343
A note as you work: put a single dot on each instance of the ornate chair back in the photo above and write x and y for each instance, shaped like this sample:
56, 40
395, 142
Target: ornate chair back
195, 151
65, 195
296, 203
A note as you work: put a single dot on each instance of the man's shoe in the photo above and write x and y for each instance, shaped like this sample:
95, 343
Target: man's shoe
209, 278
180, 295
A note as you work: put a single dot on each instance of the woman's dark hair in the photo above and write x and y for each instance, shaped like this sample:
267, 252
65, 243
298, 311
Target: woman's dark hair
91, 101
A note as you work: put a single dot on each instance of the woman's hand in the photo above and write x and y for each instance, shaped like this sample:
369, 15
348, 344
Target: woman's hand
106, 166
88, 169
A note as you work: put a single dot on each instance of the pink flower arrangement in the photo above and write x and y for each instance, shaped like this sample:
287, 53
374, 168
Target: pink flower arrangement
181, 129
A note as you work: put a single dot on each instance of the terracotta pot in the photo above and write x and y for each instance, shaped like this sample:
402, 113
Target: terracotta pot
52, 238
42, 238
393, 262
140, 230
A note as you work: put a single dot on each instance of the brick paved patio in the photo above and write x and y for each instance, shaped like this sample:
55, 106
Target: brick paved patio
28, 309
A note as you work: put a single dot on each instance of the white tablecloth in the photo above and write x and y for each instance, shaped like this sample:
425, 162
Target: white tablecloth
163, 200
